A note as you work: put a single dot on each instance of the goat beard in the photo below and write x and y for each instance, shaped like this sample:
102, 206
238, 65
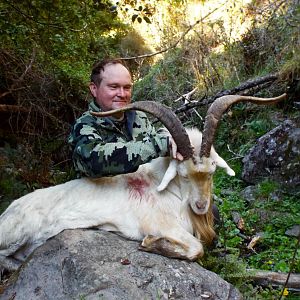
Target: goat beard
203, 225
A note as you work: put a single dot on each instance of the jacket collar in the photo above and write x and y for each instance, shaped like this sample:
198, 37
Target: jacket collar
129, 115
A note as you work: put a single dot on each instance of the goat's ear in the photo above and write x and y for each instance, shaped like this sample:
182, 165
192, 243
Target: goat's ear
169, 175
220, 162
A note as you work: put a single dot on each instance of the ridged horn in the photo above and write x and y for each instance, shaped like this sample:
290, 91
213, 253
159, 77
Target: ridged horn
216, 110
166, 116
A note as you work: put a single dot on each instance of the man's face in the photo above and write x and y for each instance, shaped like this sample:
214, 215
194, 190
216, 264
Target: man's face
115, 88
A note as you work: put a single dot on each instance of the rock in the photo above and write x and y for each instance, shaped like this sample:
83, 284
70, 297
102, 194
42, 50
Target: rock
249, 194
275, 196
276, 156
294, 231
94, 264
236, 217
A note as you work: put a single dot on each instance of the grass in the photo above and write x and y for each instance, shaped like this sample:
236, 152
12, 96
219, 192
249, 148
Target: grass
269, 215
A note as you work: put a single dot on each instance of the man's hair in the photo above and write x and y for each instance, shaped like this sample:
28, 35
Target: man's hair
98, 68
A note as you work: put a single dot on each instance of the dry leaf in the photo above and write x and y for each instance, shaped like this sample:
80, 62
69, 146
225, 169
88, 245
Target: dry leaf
241, 224
125, 261
253, 242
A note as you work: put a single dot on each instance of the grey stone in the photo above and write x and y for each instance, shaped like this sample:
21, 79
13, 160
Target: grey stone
294, 231
276, 156
236, 217
94, 264
249, 193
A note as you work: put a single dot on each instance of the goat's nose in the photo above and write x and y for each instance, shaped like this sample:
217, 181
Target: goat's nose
201, 204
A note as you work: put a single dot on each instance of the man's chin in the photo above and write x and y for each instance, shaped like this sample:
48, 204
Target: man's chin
120, 104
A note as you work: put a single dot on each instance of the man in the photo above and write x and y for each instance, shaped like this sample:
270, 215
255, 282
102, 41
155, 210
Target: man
115, 145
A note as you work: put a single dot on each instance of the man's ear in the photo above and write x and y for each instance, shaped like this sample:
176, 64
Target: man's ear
93, 89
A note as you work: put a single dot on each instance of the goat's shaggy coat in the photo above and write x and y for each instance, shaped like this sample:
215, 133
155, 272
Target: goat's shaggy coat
166, 204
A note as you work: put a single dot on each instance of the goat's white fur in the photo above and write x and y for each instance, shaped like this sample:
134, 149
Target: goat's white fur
208, 165
154, 201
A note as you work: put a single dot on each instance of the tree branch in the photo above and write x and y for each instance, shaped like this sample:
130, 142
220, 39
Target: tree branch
176, 43
13, 108
38, 110
14, 86
261, 81
29, 65
265, 278
186, 97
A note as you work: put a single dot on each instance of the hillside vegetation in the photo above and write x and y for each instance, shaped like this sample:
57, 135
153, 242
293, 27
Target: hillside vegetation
181, 53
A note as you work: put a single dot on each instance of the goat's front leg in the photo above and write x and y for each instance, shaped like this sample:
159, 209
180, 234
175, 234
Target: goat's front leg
182, 245
8, 264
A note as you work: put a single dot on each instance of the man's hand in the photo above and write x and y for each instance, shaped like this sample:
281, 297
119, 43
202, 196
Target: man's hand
174, 152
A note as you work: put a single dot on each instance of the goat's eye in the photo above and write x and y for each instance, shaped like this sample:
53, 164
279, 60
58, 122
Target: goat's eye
213, 163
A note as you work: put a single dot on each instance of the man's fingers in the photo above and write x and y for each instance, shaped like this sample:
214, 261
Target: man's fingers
173, 148
175, 154
179, 156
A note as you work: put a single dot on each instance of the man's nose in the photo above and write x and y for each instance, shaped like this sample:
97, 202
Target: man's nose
121, 92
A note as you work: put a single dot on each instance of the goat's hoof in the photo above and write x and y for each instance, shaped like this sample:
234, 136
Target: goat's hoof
148, 240
196, 256
8, 264
164, 246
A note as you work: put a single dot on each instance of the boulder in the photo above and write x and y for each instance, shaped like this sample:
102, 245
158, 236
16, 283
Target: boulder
93, 264
276, 156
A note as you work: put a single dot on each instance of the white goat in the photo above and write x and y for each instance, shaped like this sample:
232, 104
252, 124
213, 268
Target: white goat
166, 204
130, 204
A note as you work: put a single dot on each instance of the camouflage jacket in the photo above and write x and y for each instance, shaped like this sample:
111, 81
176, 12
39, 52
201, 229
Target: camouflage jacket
103, 147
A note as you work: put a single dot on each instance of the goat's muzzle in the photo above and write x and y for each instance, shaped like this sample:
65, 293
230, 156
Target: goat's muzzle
200, 207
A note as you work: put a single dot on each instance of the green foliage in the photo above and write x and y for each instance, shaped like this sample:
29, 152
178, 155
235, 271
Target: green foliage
235, 270
292, 66
47, 49
267, 187
228, 266
270, 215
280, 214
167, 79
278, 260
10, 189
265, 44
22, 171
251, 292
136, 10
133, 44
68, 35
258, 127
11, 185
239, 129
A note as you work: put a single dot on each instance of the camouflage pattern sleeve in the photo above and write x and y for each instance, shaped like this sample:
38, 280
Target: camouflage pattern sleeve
100, 148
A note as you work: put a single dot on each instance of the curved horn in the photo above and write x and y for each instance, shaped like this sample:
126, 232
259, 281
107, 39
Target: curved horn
166, 116
217, 108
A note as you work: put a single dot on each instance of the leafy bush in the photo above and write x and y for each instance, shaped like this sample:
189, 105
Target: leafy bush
167, 80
